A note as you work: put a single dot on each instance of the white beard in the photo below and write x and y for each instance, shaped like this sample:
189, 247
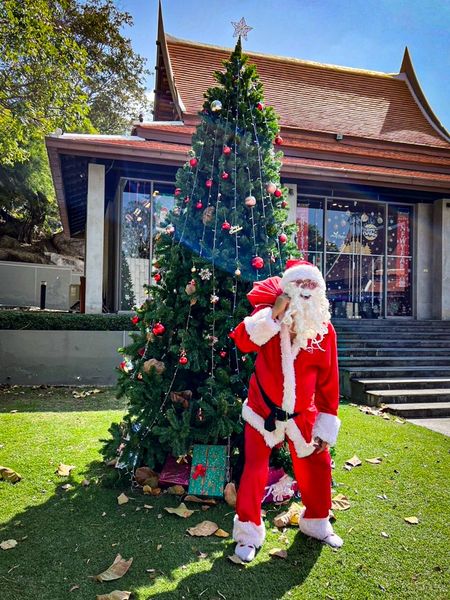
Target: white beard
307, 318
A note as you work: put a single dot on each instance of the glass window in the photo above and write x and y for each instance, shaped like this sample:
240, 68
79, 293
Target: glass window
399, 261
144, 206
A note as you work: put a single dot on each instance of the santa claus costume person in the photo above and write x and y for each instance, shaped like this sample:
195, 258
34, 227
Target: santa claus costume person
293, 395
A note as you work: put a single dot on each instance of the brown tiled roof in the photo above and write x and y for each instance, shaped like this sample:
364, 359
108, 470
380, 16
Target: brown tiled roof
313, 96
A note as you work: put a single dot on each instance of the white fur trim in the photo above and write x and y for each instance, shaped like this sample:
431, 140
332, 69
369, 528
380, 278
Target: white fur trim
326, 427
295, 435
283, 428
317, 528
272, 438
287, 365
261, 327
302, 272
247, 532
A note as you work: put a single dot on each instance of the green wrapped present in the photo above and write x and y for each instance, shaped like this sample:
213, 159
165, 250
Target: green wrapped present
208, 471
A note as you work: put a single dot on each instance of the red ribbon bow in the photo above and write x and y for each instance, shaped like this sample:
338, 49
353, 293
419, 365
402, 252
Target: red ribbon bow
200, 471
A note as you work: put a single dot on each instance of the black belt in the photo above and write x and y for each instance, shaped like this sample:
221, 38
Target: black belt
276, 413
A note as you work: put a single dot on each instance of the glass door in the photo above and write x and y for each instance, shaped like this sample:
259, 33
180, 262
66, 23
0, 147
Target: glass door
355, 254
399, 261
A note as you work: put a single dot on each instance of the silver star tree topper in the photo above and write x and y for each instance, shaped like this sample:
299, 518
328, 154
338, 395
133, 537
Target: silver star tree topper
241, 28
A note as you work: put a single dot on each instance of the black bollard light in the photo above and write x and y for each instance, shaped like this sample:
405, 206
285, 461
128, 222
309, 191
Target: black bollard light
43, 294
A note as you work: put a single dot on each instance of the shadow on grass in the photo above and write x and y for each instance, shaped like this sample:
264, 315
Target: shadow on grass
77, 533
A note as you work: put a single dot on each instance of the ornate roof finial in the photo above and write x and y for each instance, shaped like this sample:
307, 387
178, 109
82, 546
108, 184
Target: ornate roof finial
241, 28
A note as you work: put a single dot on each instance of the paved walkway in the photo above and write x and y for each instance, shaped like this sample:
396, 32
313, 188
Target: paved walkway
441, 425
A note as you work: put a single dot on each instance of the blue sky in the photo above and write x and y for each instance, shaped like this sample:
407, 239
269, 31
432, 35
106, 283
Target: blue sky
368, 34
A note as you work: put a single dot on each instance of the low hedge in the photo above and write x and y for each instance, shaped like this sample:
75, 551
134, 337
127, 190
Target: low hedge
14, 319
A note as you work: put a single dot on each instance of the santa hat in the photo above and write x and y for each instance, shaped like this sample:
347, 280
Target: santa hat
301, 269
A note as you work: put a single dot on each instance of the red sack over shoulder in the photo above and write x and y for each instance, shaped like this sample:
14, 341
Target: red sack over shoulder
265, 292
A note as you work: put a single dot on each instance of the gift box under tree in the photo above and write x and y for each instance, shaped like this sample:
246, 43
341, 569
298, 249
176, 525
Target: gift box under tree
208, 471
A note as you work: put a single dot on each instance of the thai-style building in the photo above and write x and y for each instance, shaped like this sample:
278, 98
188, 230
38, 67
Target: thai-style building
366, 160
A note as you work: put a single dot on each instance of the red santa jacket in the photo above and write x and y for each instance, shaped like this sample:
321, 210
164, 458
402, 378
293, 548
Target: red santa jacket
301, 381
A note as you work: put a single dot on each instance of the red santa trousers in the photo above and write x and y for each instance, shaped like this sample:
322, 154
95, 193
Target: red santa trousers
313, 475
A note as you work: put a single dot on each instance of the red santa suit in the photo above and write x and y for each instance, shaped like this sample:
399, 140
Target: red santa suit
305, 384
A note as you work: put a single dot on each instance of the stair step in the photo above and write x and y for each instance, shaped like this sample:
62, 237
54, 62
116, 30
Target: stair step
404, 396
400, 344
441, 425
419, 409
347, 352
349, 374
389, 361
402, 382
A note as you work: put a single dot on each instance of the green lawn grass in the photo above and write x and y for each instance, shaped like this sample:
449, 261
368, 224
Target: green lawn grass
63, 537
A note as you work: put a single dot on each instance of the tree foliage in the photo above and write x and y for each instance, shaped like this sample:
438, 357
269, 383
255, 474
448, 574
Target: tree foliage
63, 64
194, 391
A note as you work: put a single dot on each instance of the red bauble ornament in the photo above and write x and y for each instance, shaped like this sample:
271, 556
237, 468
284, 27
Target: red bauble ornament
225, 175
260, 106
284, 204
226, 226
278, 193
223, 354
187, 200
199, 205
183, 360
193, 162
135, 320
271, 187
209, 183
157, 276
122, 365
282, 238
250, 201
177, 192
141, 351
257, 262
227, 150
158, 329
278, 140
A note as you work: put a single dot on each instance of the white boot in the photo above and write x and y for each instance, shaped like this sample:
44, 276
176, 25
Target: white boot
249, 537
321, 529
246, 552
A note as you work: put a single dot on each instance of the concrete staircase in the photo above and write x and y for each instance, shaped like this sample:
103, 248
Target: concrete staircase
402, 365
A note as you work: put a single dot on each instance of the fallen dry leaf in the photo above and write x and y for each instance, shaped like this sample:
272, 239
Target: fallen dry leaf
221, 533
122, 499
85, 482
158, 547
177, 490
8, 544
230, 494
74, 587
116, 595
66, 487
353, 461
374, 461
147, 506
200, 500
116, 570
396, 420
278, 552
340, 502
153, 491
201, 554
181, 511
289, 517
412, 520
384, 534
236, 560
203, 529
10, 475
64, 470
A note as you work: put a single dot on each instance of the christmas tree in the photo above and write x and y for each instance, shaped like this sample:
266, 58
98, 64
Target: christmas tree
183, 377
